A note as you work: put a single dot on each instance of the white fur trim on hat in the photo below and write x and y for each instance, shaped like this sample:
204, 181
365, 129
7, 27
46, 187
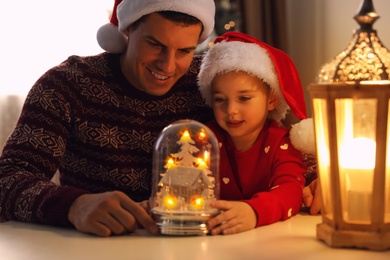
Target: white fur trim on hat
130, 11
302, 136
229, 56
110, 39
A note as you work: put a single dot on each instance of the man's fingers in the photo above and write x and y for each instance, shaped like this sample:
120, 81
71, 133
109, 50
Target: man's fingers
307, 196
121, 221
109, 213
312, 197
141, 216
316, 204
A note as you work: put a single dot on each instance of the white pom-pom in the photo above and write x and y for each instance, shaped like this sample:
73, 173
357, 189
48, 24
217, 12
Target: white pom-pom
302, 136
110, 39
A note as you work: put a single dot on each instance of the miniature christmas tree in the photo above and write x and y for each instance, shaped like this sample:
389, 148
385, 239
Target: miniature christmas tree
187, 183
187, 149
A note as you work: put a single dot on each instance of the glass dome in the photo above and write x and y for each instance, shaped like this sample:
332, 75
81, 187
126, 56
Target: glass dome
185, 178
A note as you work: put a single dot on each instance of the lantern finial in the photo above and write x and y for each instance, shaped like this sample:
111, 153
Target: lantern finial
365, 58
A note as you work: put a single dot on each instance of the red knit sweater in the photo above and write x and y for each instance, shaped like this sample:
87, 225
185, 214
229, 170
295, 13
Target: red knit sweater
269, 176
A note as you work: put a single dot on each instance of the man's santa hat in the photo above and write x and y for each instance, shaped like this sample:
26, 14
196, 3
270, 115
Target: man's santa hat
125, 12
234, 51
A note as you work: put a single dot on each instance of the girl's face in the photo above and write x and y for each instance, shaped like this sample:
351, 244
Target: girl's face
241, 103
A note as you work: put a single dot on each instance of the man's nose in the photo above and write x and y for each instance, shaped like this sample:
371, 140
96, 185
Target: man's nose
167, 62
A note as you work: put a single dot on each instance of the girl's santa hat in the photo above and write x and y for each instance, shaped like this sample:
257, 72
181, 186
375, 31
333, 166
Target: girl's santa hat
125, 12
234, 51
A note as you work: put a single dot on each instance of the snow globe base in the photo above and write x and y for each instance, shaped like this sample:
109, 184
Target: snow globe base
182, 224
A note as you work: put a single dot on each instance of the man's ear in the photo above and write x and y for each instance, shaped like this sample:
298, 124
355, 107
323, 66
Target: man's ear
273, 101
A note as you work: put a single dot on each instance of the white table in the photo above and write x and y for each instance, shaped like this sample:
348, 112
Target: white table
291, 239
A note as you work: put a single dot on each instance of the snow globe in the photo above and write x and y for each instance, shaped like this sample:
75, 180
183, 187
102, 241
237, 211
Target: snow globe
185, 178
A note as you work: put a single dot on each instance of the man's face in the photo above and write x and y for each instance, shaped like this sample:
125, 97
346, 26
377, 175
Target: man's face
158, 53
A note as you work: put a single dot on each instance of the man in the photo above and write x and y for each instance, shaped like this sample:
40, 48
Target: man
312, 197
96, 119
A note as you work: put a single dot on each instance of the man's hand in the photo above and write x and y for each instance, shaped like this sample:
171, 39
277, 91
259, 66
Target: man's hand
236, 217
109, 213
312, 197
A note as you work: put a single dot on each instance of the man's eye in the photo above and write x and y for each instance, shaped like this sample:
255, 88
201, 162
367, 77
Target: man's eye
185, 51
154, 44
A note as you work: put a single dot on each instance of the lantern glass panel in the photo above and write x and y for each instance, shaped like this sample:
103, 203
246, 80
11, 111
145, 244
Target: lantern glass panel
356, 135
322, 142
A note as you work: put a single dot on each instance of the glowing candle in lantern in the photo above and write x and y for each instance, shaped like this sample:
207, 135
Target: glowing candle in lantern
170, 202
357, 161
197, 202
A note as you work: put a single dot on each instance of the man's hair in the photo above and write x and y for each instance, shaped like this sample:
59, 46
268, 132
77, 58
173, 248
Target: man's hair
173, 16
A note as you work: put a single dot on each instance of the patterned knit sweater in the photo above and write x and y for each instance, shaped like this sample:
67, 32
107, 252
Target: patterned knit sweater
84, 119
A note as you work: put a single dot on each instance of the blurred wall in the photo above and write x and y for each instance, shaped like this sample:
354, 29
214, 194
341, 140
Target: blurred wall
321, 29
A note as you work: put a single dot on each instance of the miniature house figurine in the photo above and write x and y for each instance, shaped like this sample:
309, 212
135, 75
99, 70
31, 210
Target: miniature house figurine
185, 178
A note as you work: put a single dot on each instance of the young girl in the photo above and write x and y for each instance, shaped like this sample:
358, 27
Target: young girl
251, 86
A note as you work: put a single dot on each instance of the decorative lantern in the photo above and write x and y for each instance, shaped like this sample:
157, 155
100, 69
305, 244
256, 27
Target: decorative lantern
350, 99
185, 178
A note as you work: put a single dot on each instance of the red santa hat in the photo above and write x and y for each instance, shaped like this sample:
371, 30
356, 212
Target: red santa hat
125, 12
235, 51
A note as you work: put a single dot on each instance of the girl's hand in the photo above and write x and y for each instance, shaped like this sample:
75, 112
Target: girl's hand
235, 217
